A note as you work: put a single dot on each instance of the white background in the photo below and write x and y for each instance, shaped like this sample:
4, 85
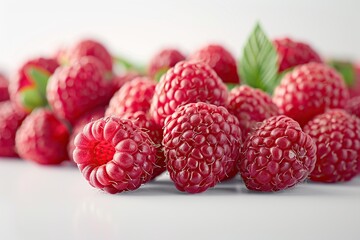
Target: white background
56, 203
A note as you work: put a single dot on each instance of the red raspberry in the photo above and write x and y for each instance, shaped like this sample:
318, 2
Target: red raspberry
91, 48
353, 106
354, 90
220, 60
119, 80
28, 92
155, 132
10, 119
250, 106
114, 155
202, 144
42, 138
163, 60
292, 53
277, 155
187, 82
132, 97
4, 92
337, 137
93, 115
73, 90
309, 90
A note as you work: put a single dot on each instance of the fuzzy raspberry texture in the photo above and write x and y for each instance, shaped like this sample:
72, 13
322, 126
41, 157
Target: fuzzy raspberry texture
134, 96
292, 53
250, 106
78, 88
93, 115
10, 120
277, 155
4, 92
163, 60
114, 155
353, 106
155, 132
93, 48
202, 143
219, 59
309, 90
42, 138
337, 137
187, 82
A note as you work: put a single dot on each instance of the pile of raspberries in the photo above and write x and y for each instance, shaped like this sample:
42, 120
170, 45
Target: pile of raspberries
123, 129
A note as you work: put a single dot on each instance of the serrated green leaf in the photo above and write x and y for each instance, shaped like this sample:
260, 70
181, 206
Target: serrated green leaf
258, 66
346, 69
40, 78
31, 98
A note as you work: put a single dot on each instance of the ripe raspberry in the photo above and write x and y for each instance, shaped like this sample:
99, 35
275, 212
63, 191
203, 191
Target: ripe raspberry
337, 137
132, 97
91, 48
250, 106
163, 60
353, 106
42, 138
4, 92
28, 88
155, 132
309, 90
114, 155
73, 90
277, 155
93, 115
119, 80
219, 59
202, 144
187, 82
292, 53
10, 119
354, 90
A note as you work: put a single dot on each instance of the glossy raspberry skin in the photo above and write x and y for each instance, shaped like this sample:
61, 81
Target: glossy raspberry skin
10, 120
277, 155
114, 155
201, 144
309, 90
73, 90
134, 96
163, 60
4, 92
42, 138
93, 115
337, 137
292, 53
89, 47
250, 106
187, 82
155, 132
219, 59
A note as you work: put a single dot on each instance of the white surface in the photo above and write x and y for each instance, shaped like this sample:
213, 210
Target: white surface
56, 203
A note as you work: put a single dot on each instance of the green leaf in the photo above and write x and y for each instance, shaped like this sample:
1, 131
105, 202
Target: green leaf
159, 73
346, 69
127, 65
258, 66
230, 86
31, 99
40, 78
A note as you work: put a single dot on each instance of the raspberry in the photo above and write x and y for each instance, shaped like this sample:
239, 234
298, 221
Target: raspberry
73, 90
163, 60
132, 97
93, 115
201, 144
250, 106
42, 138
354, 90
4, 93
91, 48
119, 80
10, 119
337, 137
187, 82
155, 132
353, 106
292, 53
309, 90
220, 60
277, 155
114, 155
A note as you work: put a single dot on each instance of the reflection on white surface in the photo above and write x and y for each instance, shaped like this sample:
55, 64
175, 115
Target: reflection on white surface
57, 203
